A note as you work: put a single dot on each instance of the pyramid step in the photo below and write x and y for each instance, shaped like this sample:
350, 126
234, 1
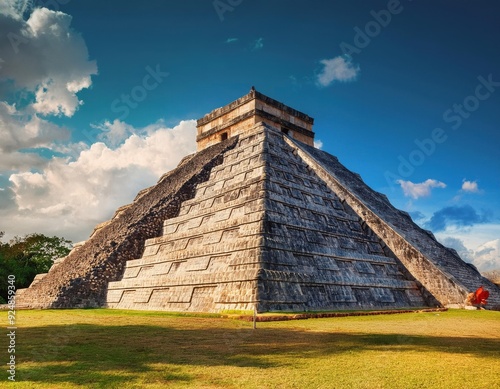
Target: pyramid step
215, 215
231, 197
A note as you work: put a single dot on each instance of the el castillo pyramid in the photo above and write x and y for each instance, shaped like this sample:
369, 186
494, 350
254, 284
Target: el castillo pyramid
258, 218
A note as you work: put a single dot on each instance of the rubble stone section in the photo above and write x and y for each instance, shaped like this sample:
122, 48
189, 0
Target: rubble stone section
81, 280
437, 268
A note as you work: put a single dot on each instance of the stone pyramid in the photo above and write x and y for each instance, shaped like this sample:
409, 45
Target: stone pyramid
258, 219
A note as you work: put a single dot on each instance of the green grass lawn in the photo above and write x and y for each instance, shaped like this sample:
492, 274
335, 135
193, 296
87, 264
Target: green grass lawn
130, 349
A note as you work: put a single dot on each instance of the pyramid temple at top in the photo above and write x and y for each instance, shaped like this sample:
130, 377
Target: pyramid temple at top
258, 218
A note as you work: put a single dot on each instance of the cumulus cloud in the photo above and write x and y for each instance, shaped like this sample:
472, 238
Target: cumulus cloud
45, 56
44, 65
456, 216
114, 133
339, 68
470, 187
485, 257
231, 40
318, 144
422, 189
74, 196
458, 245
14, 8
20, 131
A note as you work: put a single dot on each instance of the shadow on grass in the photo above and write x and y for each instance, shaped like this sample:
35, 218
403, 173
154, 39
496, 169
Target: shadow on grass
84, 354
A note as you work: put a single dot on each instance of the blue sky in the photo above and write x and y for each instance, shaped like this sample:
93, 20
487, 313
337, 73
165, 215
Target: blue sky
97, 100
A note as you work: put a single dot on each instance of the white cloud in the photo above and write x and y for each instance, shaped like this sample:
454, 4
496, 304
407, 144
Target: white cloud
114, 133
44, 56
339, 68
20, 130
231, 40
258, 44
470, 186
318, 144
474, 236
73, 196
422, 189
45, 64
14, 8
487, 256
466, 254
55, 98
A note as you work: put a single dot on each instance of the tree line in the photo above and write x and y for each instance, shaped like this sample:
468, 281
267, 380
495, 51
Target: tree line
25, 257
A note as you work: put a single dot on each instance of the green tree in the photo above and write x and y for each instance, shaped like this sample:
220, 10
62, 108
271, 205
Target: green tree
27, 256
